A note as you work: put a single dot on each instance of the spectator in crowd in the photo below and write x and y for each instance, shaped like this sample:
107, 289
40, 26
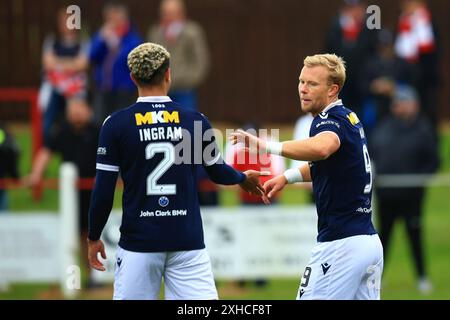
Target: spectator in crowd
241, 159
109, 50
417, 43
189, 51
381, 75
404, 143
76, 142
350, 39
64, 61
9, 156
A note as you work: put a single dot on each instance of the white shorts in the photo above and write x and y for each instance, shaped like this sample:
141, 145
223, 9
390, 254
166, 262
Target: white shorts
344, 269
187, 275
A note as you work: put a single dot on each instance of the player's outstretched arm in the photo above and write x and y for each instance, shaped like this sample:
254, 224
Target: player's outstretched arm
221, 173
252, 184
316, 148
94, 248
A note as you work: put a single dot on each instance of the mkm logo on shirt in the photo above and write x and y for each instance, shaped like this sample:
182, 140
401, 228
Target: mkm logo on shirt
154, 117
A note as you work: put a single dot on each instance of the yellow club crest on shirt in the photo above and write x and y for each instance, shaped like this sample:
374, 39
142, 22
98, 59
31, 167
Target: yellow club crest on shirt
353, 118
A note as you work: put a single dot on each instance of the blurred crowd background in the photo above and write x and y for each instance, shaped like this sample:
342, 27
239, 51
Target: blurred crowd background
256, 47
237, 62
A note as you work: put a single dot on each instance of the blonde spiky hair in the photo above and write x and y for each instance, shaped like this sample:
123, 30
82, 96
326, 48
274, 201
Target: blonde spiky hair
145, 59
334, 64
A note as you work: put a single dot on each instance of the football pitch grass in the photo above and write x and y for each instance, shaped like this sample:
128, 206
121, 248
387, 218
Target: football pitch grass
399, 280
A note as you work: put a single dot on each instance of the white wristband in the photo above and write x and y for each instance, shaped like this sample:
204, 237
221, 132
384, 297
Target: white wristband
293, 175
274, 147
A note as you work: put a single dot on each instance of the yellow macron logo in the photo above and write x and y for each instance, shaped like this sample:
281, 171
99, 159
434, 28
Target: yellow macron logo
154, 117
353, 118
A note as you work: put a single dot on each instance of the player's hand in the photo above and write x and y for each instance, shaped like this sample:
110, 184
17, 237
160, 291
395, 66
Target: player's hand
272, 187
94, 248
252, 184
251, 142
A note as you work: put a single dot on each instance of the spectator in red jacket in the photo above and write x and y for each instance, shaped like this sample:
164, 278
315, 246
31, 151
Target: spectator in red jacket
242, 160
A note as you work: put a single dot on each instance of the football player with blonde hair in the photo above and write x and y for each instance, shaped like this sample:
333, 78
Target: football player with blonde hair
347, 261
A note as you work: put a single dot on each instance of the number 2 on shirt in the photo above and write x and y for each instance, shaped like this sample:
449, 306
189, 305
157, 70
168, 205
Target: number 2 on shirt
167, 161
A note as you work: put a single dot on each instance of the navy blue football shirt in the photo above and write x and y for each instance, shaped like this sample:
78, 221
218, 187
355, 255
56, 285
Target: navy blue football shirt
342, 183
158, 147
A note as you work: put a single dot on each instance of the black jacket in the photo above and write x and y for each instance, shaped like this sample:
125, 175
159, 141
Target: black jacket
403, 148
9, 154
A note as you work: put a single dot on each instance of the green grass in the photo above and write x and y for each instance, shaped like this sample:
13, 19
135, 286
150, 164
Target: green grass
399, 276
399, 280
